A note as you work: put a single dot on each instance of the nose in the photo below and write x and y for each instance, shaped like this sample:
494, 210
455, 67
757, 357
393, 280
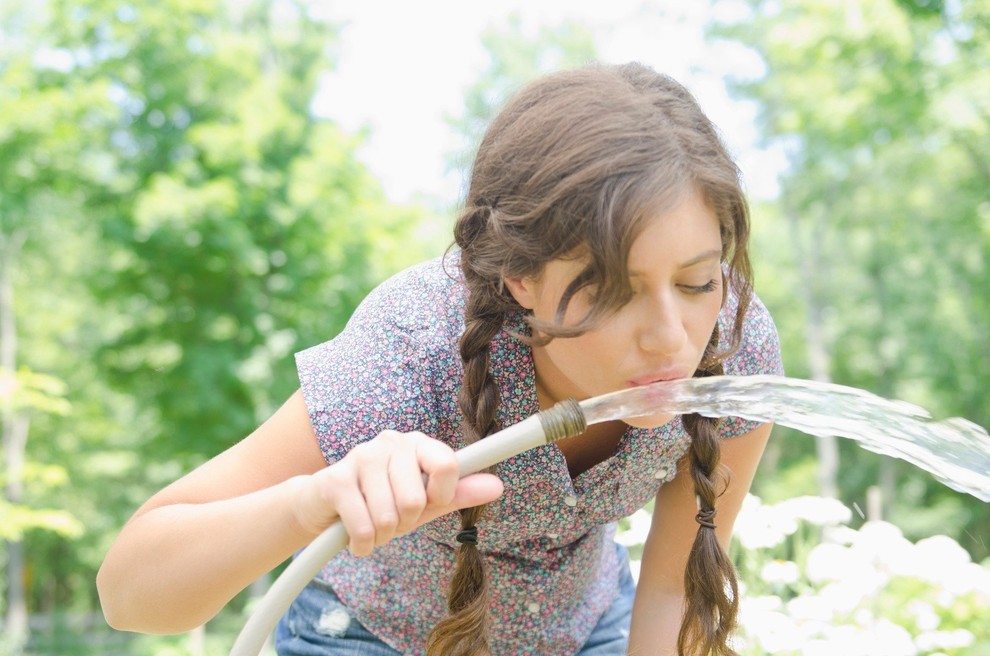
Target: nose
662, 329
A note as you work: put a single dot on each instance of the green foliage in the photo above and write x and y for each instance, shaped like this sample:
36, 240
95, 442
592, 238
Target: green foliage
923, 8
15, 520
29, 390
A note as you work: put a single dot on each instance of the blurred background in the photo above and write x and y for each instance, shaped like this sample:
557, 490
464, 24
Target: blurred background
193, 190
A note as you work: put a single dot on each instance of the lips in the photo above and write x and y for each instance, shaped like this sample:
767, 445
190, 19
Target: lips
673, 373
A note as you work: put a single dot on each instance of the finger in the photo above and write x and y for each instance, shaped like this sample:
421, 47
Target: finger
352, 510
408, 487
473, 490
438, 462
376, 486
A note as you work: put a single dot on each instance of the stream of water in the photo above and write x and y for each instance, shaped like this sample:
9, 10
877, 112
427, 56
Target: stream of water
956, 451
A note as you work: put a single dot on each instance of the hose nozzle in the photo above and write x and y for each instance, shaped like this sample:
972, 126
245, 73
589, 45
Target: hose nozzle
566, 419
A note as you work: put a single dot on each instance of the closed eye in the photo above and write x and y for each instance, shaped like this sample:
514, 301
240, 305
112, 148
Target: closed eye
709, 286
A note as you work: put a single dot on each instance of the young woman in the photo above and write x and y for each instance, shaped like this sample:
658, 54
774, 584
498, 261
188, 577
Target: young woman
602, 245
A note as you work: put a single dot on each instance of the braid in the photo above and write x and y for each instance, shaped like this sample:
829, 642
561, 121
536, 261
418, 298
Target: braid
710, 586
465, 631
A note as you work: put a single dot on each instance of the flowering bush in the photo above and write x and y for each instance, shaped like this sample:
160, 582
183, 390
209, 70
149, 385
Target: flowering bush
812, 585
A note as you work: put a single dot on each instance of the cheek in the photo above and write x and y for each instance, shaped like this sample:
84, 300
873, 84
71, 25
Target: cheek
591, 361
587, 352
706, 318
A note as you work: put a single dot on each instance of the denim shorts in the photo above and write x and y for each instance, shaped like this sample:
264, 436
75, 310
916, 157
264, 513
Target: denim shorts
319, 624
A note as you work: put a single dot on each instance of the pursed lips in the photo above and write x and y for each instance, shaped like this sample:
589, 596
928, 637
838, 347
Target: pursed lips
672, 373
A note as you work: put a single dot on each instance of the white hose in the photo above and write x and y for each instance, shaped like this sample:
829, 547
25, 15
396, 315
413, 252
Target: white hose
563, 420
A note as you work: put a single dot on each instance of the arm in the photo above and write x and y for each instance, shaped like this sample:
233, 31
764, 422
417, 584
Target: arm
190, 548
660, 592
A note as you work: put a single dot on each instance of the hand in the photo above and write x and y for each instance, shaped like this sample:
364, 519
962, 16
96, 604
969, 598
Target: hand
377, 490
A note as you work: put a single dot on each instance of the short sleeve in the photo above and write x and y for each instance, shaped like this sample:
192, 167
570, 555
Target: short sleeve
376, 374
759, 353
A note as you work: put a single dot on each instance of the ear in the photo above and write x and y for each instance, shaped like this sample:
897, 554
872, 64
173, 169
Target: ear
523, 290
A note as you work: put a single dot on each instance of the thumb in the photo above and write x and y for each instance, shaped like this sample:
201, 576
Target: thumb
473, 490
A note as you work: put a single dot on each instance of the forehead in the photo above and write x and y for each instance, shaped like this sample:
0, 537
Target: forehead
685, 234
679, 229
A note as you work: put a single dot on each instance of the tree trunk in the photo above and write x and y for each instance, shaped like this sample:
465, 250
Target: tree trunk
809, 262
886, 486
15, 432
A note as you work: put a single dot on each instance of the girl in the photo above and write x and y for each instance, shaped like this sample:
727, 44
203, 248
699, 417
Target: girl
603, 245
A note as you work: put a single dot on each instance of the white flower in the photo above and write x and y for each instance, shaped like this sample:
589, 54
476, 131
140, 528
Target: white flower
839, 534
864, 617
940, 561
845, 640
933, 640
762, 527
844, 596
925, 616
936, 559
942, 547
960, 579
832, 562
776, 632
780, 571
638, 530
820, 511
979, 578
883, 639
764, 622
811, 608
880, 535
883, 545
759, 604
892, 640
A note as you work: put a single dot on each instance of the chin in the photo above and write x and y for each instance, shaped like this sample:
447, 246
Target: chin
649, 421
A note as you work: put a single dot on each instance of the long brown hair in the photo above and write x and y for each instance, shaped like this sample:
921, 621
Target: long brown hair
585, 158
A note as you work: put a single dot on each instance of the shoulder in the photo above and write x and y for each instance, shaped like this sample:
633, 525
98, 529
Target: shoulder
424, 297
415, 309
758, 352
383, 370
759, 346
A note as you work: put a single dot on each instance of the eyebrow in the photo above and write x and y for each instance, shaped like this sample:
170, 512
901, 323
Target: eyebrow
713, 254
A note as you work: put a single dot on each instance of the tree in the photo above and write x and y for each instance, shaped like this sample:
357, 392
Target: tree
43, 137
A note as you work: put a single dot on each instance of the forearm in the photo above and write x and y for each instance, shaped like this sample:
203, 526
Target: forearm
208, 535
655, 624
174, 567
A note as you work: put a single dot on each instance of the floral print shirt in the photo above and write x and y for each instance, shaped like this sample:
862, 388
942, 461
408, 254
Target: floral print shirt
548, 541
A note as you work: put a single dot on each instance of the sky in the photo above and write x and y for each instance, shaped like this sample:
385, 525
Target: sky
405, 66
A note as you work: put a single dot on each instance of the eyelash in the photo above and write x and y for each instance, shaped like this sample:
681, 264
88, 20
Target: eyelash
702, 289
